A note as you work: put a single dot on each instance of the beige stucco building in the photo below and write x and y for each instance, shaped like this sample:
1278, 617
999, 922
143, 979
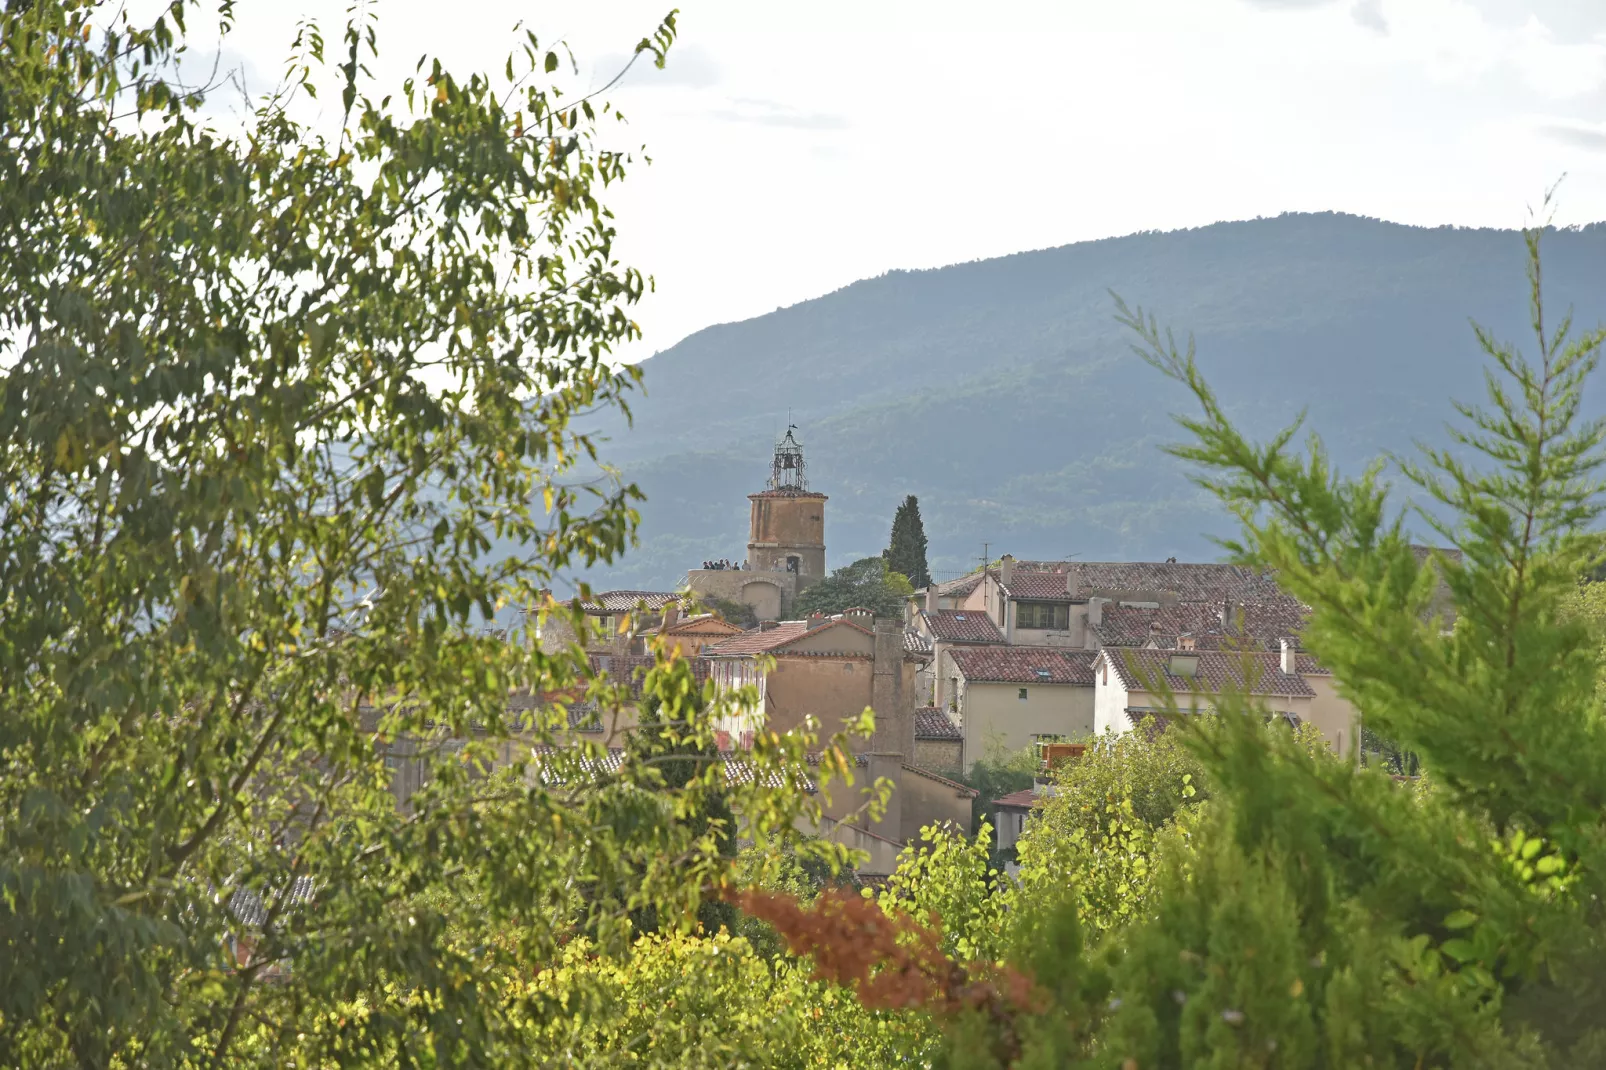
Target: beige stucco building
1019, 695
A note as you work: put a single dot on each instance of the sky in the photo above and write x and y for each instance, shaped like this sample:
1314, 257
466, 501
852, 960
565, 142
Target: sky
799, 147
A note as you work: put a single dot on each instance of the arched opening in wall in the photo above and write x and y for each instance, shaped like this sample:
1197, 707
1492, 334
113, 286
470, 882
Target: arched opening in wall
793, 563
764, 597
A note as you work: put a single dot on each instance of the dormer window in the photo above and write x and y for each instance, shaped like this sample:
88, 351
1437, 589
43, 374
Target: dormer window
1183, 665
1044, 674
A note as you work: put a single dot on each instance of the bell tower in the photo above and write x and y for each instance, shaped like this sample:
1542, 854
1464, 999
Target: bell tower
787, 531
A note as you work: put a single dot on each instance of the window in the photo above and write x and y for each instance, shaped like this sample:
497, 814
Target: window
1022, 695
1048, 616
1044, 674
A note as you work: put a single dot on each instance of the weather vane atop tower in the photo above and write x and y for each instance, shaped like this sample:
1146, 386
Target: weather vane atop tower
786, 470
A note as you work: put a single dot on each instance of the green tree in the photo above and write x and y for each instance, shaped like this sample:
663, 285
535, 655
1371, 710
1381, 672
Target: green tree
1313, 911
1324, 915
996, 773
866, 584
265, 398
906, 552
678, 755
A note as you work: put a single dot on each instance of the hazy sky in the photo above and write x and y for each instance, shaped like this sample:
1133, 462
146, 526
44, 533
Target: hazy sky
800, 146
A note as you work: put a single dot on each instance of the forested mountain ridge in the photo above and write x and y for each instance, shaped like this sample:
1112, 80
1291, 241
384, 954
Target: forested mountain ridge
1003, 393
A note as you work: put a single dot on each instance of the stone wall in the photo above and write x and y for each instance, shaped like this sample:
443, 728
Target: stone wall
768, 593
939, 755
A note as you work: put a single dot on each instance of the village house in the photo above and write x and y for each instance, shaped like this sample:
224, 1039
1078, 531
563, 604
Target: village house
612, 621
1016, 696
1132, 684
939, 742
947, 630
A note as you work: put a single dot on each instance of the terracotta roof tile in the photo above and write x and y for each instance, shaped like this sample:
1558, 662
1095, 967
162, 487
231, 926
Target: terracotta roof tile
1189, 581
916, 643
1040, 587
1263, 624
1025, 665
962, 626
738, 768
1142, 669
624, 601
960, 587
702, 623
631, 668
932, 723
759, 640
1024, 799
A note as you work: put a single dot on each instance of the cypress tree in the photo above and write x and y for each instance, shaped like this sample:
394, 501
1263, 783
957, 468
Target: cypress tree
907, 550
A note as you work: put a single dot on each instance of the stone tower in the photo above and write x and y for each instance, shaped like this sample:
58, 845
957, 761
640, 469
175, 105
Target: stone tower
787, 530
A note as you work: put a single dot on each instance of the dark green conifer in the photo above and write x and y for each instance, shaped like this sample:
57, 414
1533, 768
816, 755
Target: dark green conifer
906, 553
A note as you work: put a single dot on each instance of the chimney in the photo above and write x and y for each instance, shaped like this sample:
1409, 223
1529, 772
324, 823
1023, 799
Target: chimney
1072, 587
1095, 610
931, 597
894, 713
1290, 660
768, 625
1006, 569
671, 615
816, 619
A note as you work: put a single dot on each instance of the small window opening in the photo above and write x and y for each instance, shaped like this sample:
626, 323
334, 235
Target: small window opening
1022, 695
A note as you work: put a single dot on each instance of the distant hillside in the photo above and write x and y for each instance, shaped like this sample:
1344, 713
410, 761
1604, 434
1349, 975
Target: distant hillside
1004, 395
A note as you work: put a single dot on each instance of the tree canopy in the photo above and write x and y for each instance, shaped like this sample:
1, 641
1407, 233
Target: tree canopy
867, 583
265, 399
906, 551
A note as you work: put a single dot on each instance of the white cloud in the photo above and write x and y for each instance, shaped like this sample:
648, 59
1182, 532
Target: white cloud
799, 147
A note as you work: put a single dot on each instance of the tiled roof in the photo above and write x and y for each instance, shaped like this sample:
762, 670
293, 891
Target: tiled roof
737, 767
1190, 582
1025, 665
710, 623
1024, 799
1262, 624
963, 790
1309, 666
960, 587
932, 723
248, 908
624, 601
1143, 670
1040, 587
962, 626
758, 640
916, 643
1136, 717
631, 668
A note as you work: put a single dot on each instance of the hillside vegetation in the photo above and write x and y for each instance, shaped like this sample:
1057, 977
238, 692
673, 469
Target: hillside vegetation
1005, 396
